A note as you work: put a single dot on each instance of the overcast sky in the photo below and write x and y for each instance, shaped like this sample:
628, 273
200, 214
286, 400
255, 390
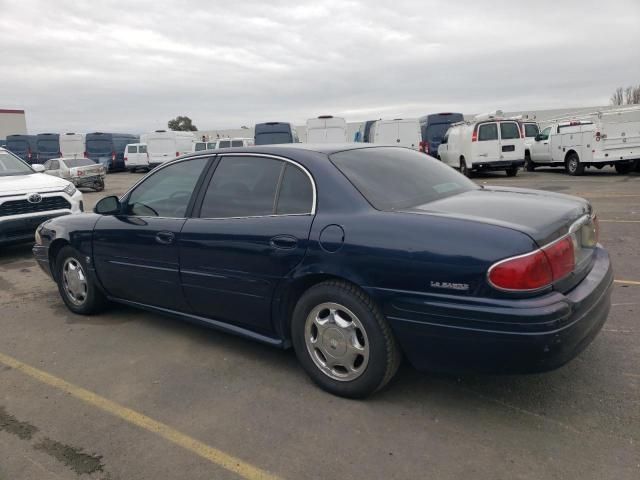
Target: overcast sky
133, 65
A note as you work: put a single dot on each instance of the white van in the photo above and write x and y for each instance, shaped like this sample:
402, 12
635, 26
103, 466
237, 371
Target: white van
326, 129
233, 142
72, 145
398, 132
488, 142
199, 146
164, 145
136, 157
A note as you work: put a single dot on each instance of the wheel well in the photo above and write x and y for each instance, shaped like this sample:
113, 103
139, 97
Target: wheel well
462, 159
295, 291
54, 249
527, 153
569, 153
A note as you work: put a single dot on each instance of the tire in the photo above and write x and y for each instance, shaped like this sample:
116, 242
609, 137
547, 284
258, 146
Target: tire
528, 164
623, 168
573, 165
464, 169
511, 171
346, 315
636, 165
81, 297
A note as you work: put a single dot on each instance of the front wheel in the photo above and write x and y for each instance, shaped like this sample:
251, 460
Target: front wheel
573, 165
528, 164
511, 171
464, 169
343, 341
78, 291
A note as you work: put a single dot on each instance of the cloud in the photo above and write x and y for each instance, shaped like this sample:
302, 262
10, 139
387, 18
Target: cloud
131, 66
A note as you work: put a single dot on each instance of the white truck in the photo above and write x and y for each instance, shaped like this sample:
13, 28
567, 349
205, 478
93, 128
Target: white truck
488, 142
399, 132
163, 145
593, 140
326, 129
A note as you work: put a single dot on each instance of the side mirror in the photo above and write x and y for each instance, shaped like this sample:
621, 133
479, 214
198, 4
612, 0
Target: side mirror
38, 168
108, 206
538, 137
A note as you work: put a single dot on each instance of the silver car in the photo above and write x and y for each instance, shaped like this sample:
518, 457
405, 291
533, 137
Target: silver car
82, 172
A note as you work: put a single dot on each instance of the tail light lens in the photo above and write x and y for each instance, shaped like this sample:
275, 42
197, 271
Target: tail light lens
177, 154
80, 173
424, 147
125, 159
474, 135
537, 269
113, 156
86, 155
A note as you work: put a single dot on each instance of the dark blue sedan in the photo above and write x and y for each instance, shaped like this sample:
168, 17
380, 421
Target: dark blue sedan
353, 255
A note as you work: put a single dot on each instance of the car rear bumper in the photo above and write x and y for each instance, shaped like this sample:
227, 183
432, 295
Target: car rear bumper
499, 165
440, 333
22, 229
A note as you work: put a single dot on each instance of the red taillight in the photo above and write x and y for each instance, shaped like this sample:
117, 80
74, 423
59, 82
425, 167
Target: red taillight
527, 272
125, 159
474, 135
86, 155
522, 130
536, 269
177, 154
113, 156
424, 147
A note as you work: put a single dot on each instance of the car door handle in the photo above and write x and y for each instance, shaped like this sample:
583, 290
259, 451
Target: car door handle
284, 242
165, 238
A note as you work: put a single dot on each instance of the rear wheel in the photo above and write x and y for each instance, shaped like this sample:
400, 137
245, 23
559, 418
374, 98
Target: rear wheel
78, 291
623, 168
512, 171
573, 165
464, 169
343, 341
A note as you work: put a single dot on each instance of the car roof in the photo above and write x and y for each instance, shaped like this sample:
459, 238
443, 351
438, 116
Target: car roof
285, 149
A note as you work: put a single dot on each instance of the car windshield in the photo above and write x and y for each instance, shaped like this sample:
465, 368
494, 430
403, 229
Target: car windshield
392, 178
11, 165
79, 162
530, 130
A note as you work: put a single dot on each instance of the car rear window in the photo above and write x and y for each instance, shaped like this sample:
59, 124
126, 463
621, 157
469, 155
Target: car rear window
142, 149
530, 130
18, 146
99, 146
488, 132
273, 138
392, 178
509, 130
132, 149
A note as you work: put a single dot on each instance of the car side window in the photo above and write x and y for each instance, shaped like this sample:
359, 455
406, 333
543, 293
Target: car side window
54, 165
296, 192
488, 132
545, 133
242, 187
132, 149
167, 192
142, 149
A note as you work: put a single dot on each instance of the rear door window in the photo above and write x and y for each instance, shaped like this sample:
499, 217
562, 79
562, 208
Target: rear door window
142, 149
530, 130
487, 132
132, 149
242, 187
509, 131
296, 192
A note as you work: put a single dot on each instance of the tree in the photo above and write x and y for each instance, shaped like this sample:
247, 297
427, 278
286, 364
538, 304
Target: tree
182, 124
618, 97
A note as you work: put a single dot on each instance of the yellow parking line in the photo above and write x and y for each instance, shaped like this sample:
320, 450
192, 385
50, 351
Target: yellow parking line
218, 457
627, 282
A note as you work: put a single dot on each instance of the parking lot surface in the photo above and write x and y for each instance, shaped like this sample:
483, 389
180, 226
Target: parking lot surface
133, 395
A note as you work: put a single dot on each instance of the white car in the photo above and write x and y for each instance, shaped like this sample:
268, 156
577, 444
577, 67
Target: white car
136, 157
82, 172
29, 197
163, 145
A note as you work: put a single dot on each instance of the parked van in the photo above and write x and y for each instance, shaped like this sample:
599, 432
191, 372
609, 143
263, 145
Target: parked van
24, 146
233, 142
489, 142
398, 132
432, 130
592, 140
364, 132
199, 146
163, 145
272, 133
136, 157
72, 145
108, 148
48, 145
326, 129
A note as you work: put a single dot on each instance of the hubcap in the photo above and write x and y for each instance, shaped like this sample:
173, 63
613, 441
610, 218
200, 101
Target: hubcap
573, 165
74, 281
336, 341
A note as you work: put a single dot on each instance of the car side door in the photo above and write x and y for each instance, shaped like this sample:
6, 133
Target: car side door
250, 229
136, 251
540, 149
